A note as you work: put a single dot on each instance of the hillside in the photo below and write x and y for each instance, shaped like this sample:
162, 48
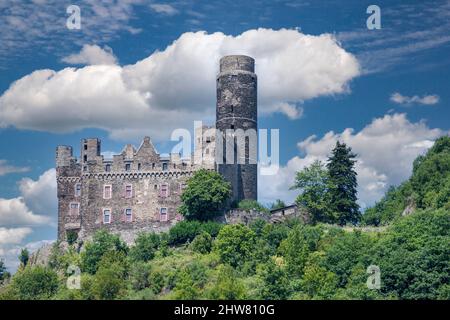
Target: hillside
427, 188
288, 260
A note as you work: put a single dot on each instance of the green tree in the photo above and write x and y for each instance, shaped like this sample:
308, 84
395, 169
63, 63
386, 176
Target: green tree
205, 195
274, 283
227, 285
102, 243
318, 282
314, 184
300, 242
202, 243
235, 244
343, 184
110, 277
145, 247
24, 257
35, 283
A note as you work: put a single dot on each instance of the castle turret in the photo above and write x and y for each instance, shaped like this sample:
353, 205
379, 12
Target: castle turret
236, 120
64, 156
90, 150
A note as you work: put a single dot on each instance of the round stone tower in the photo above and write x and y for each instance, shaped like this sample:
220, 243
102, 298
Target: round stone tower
236, 120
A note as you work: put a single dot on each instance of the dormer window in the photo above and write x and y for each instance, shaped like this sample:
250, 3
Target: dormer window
108, 168
164, 166
127, 166
139, 166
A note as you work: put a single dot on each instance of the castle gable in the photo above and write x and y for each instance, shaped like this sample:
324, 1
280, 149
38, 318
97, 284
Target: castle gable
147, 151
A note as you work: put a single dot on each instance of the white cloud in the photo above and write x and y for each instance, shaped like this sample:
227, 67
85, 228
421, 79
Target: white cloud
405, 100
386, 149
92, 54
14, 212
13, 235
166, 9
5, 168
40, 195
35, 206
171, 88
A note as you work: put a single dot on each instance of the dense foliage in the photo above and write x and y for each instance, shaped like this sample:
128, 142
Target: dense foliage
262, 261
329, 192
428, 187
289, 260
205, 195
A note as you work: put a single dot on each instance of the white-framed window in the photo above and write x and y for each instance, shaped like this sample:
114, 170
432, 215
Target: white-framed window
128, 191
164, 191
107, 216
127, 166
74, 208
128, 215
78, 190
163, 214
107, 191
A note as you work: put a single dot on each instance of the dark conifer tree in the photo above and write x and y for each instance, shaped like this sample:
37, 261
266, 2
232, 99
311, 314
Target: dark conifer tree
343, 184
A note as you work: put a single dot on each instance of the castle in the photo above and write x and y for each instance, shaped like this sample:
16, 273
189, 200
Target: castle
138, 189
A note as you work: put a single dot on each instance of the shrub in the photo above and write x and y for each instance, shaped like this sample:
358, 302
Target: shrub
145, 247
202, 243
235, 244
248, 205
71, 237
35, 283
185, 231
101, 243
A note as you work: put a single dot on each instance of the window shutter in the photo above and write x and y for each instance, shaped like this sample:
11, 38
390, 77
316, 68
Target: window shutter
158, 216
168, 190
124, 215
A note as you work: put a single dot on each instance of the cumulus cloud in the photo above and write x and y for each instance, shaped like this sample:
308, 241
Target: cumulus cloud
92, 54
166, 9
13, 235
39, 195
171, 88
386, 149
405, 100
36, 204
5, 168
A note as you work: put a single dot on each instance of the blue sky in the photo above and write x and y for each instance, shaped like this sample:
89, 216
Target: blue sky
144, 67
